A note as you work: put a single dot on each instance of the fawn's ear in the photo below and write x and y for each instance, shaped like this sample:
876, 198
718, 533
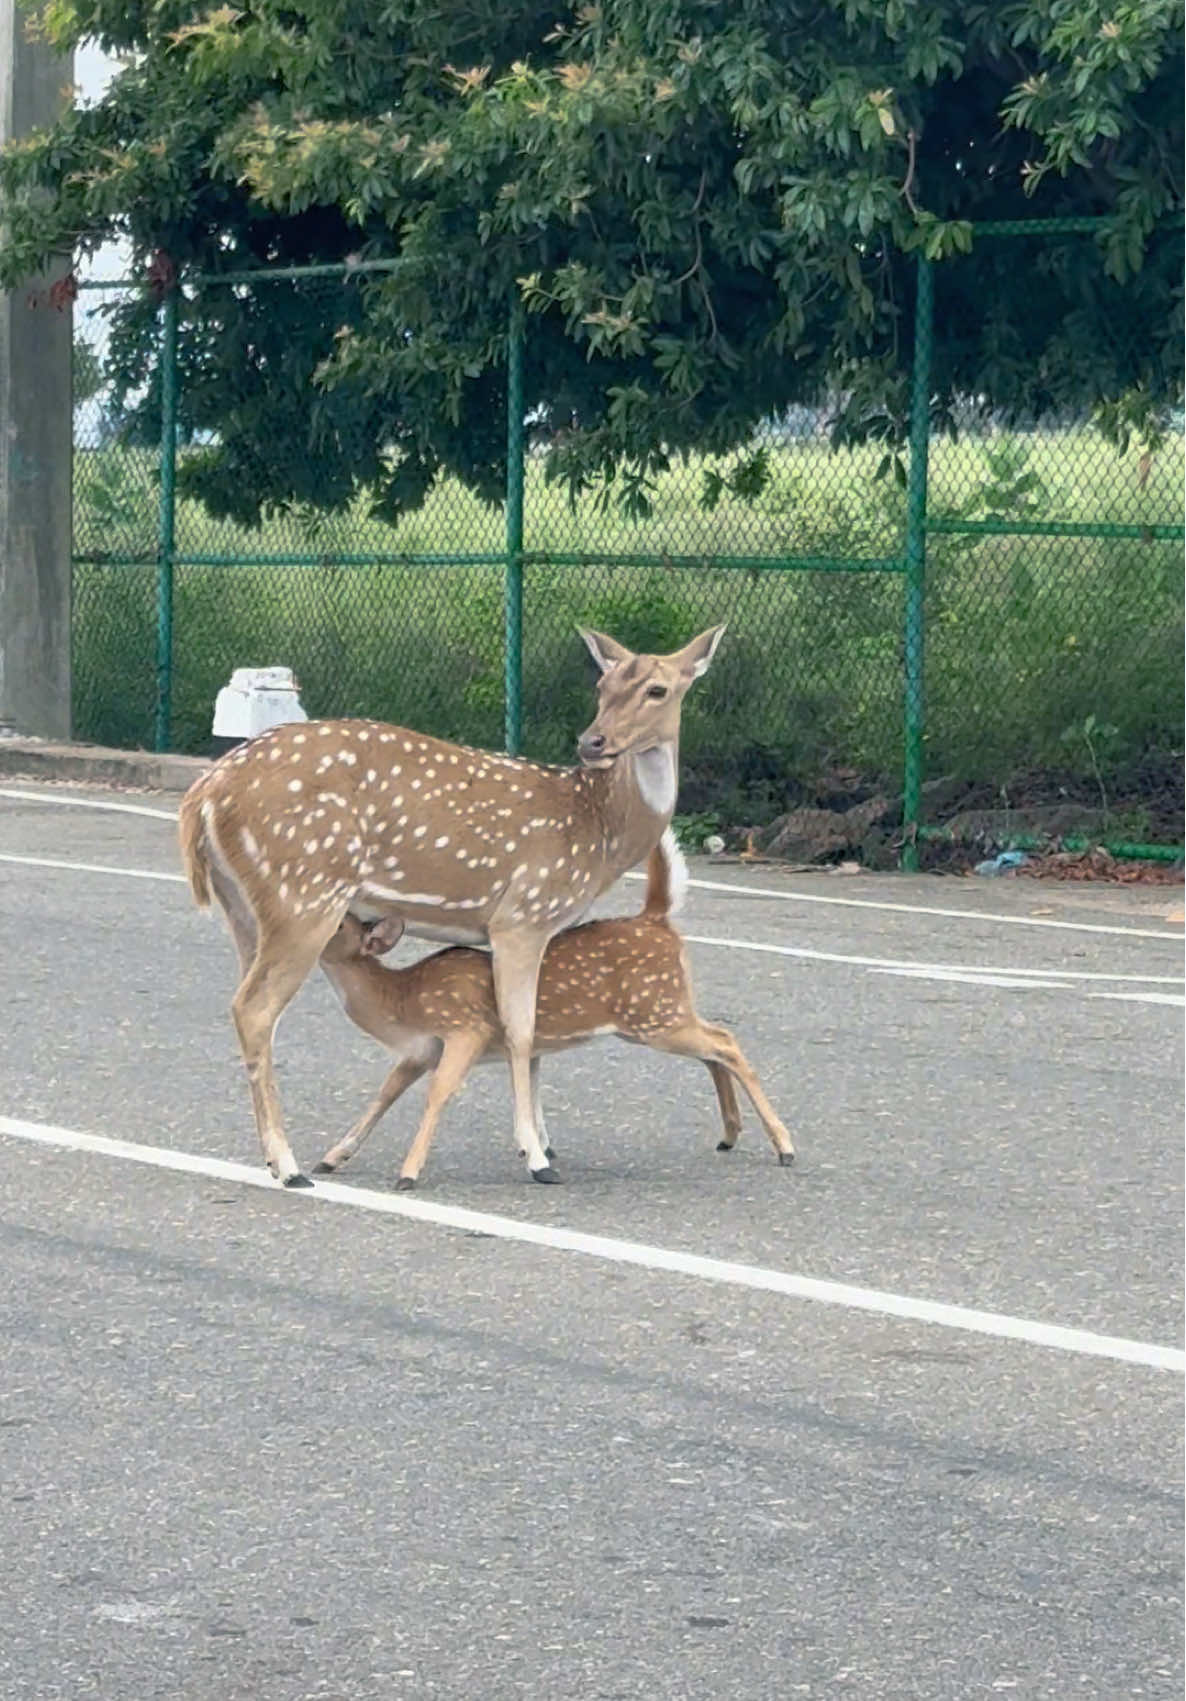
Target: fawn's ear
382, 936
606, 652
695, 657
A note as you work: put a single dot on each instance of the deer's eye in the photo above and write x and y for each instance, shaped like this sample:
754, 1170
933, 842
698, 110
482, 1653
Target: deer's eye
657, 691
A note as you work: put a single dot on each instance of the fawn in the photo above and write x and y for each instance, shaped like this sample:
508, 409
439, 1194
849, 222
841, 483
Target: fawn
628, 976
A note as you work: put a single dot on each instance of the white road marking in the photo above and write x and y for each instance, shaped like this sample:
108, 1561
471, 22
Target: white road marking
1145, 997
718, 885
88, 803
906, 963
887, 965
980, 978
637, 1253
93, 868
925, 909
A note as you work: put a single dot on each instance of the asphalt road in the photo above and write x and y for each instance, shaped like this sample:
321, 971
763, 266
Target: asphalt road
256, 1446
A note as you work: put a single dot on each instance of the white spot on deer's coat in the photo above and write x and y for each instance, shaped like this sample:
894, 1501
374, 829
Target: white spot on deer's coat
295, 785
249, 844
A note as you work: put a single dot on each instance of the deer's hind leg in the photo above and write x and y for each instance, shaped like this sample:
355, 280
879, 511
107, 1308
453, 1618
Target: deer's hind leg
287, 950
716, 1045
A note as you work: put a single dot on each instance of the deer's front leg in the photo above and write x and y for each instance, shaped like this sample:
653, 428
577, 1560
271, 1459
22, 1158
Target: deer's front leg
517, 957
537, 1110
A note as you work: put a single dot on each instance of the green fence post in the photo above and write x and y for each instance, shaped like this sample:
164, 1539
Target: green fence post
513, 587
916, 561
164, 571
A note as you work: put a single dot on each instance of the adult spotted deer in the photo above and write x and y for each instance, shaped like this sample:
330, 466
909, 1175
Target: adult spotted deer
628, 976
318, 819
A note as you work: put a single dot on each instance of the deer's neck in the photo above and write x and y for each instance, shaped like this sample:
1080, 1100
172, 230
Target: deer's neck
635, 798
370, 993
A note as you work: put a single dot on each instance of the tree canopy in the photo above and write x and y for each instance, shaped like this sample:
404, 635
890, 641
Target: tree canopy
710, 212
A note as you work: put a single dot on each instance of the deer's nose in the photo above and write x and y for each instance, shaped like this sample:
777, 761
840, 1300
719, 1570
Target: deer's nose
590, 745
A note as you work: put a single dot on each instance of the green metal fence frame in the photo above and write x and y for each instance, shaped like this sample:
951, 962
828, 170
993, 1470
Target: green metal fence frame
516, 555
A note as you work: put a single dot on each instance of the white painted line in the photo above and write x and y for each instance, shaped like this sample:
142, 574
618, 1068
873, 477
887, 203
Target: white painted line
980, 979
621, 1251
93, 868
1145, 997
715, 885
887, 964
87, 803
907, 963
924, 909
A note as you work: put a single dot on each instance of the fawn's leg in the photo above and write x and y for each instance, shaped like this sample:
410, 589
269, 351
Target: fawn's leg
284, 958
727, 1099
396, 1082
713, 1044
517, 958
460, 1053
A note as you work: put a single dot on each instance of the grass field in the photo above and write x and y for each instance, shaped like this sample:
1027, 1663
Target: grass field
1045, 655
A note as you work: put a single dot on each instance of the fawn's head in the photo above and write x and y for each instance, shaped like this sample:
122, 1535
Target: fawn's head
356, 940
639, 697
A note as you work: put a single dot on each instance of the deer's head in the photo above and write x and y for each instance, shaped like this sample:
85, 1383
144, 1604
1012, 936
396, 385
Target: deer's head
639, 698
356, 940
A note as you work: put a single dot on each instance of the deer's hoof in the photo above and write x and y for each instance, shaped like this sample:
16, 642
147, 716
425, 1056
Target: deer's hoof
547, 1175
548, 1152
324, 1169
297, 1180
724, 1145
786, 1159
405, 1184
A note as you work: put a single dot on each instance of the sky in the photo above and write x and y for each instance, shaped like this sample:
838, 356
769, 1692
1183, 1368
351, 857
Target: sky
92, 72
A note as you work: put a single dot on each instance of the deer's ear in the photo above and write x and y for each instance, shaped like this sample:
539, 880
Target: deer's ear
694, 658
606, 652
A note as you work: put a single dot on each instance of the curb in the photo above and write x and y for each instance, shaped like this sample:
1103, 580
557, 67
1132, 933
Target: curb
92, 765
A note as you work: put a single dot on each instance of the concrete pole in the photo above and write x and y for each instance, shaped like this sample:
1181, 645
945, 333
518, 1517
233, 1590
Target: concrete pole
36, 430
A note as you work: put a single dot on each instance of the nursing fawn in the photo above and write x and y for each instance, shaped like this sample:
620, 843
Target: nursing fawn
628, 976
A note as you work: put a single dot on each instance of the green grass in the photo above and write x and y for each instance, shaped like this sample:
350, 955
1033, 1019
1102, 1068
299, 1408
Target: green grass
1026, 637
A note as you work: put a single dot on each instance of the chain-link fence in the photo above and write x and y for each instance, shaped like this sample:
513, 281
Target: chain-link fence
988, 644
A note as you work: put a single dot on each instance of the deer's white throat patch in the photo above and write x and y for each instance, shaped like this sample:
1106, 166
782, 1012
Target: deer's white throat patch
655, 772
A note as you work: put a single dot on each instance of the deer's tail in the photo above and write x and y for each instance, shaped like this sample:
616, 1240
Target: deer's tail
667, 880
192, 832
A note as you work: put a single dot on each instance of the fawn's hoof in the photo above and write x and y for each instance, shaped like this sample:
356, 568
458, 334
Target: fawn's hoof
547, 1175
405, 1184
324, 1169
786, 1159
549, 1152
297, 1180
724, 1145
